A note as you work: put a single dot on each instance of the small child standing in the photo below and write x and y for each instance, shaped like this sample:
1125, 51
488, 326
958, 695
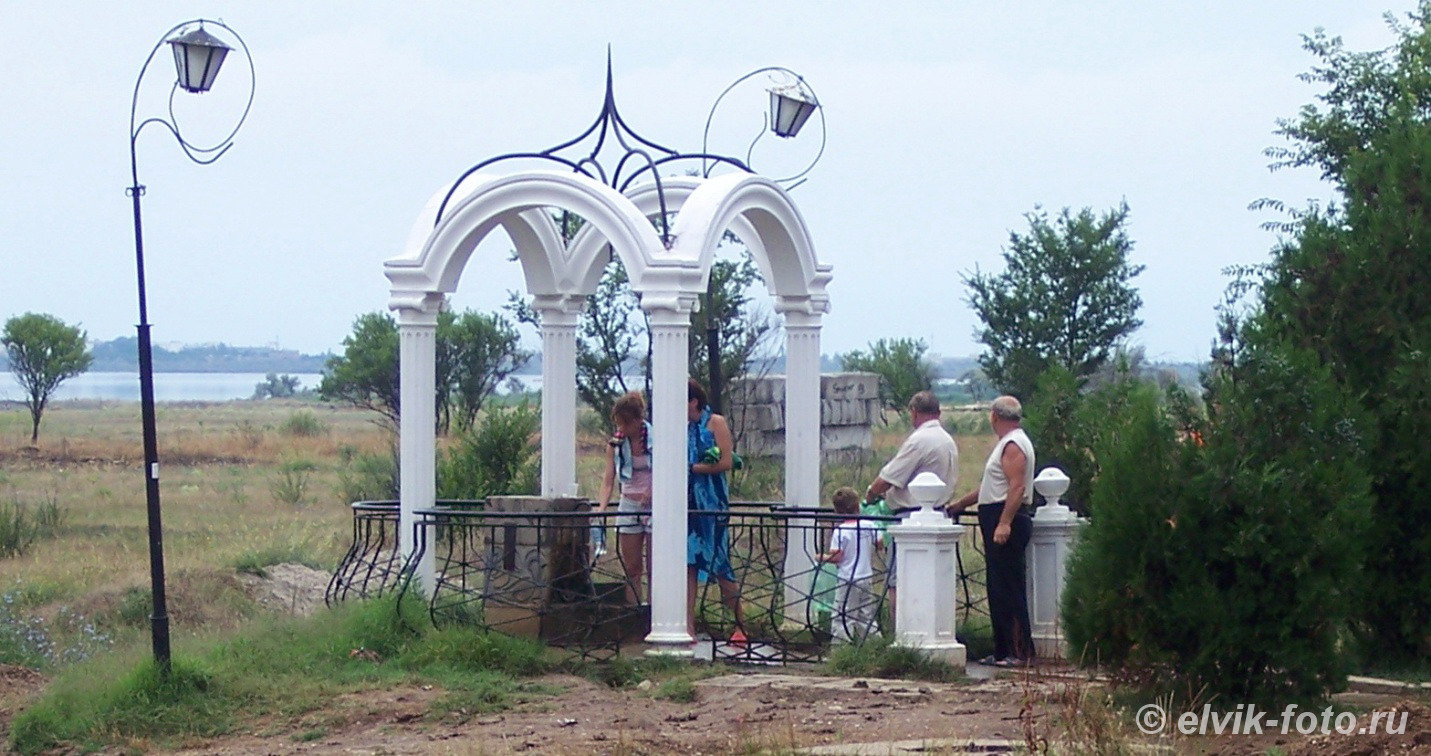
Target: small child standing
852, 546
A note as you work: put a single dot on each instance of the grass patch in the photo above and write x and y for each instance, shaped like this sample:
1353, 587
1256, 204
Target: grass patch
877, 657
22, 523
281, 667
679, 690
303, 424
255, 561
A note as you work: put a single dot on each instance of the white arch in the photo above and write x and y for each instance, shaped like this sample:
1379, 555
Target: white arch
584, 258
759, 203
434, 260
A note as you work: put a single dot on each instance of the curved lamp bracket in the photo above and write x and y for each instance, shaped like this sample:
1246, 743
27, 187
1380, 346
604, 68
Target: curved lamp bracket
198, 154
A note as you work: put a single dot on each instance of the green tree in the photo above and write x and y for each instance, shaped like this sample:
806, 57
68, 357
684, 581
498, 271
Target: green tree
43, 352
1182, 578
275, 386
901, 365
475, 353
614, 338
479, 351
366, 373
1349, 284
1065, 298
743, 327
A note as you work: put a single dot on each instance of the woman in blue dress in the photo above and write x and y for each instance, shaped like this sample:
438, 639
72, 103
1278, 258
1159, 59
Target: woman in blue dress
707, 544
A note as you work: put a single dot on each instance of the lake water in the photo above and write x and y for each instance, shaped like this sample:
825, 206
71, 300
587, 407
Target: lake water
177, 387
168, 387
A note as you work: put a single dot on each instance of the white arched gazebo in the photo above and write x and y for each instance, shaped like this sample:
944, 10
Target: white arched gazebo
668, 273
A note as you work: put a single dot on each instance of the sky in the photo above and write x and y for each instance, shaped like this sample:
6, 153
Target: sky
947, 123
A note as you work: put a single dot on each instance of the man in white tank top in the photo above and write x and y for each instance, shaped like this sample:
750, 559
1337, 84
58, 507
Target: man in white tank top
1005, 496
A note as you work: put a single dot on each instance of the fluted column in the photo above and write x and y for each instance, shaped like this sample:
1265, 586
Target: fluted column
417, 363
559, 318
670, 332
802, 447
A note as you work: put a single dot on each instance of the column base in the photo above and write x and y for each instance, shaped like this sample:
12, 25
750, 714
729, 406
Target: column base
1050, 646
677, 644
953, 654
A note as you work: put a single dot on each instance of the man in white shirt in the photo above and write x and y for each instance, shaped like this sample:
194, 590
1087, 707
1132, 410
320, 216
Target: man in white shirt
929, 448
1005, 496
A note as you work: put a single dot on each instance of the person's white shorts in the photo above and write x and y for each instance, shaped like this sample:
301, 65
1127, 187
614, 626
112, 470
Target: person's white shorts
630, 523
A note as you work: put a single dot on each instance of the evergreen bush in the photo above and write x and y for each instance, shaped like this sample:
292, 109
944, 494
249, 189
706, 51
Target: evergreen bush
498, 455
1226, 562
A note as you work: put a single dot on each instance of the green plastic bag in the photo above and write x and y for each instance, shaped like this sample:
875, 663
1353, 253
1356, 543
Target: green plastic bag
878, 509
824, 587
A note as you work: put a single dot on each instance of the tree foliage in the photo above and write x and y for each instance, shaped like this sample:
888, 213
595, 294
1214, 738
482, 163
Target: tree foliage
1224, 562
1064, 298
475, 353
614, 337
743, 327
901, 365
44, 352
1348, 284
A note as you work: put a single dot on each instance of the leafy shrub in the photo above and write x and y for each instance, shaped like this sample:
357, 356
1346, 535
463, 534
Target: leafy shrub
368, 477
498, 455
291, 484
1227, 567
303, 424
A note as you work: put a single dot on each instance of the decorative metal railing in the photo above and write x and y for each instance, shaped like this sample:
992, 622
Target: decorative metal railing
540, 574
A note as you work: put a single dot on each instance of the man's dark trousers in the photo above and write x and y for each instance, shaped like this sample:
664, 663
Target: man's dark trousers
1008, 599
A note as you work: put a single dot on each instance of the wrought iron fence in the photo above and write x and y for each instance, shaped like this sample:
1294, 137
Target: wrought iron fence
541, 574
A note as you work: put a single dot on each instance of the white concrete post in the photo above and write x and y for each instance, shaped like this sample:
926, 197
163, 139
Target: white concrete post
559, 318
670, 332
1054, 528
802, 451
417, 364
925, 565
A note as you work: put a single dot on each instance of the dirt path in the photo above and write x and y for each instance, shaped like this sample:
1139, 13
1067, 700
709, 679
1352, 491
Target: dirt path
732, 713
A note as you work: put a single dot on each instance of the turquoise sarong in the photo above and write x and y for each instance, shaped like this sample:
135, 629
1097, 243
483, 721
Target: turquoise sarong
707, 544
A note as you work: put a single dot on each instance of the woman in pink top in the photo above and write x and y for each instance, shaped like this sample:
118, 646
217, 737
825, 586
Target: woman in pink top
628, 457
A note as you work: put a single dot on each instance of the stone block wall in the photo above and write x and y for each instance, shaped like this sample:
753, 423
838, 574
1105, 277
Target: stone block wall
849, 407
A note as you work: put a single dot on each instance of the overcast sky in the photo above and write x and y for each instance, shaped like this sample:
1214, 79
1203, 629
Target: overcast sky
947, 122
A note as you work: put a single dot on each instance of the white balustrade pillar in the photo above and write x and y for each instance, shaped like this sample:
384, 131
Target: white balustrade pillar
802, 451
417, 483
559, 318
1054, 528
670, 334
925, 564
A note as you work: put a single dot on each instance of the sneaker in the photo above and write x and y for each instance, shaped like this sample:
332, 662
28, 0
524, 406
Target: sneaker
990, 661
1014, 662
737, 638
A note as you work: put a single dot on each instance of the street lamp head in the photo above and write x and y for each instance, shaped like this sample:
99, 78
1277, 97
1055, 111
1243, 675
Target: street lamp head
790, 108
197, 57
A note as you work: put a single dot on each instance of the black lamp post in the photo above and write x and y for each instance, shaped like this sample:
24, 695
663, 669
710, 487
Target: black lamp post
198, 56
791, 105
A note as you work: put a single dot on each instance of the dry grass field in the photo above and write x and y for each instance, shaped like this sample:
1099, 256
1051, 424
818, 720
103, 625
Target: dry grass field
244, 483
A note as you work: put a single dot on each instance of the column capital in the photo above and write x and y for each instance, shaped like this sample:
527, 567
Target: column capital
419, 309
669, 309
804, 310
559, 309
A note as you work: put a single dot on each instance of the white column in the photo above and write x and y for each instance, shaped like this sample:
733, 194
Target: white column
1054, 528
559, 318
417, 364
925, 566
670, 332
802, 450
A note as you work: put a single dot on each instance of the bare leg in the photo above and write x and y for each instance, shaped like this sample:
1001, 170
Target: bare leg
691, 601
730, 595
632, 559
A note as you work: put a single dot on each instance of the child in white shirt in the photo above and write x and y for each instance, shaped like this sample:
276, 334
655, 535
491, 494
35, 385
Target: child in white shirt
852, 546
